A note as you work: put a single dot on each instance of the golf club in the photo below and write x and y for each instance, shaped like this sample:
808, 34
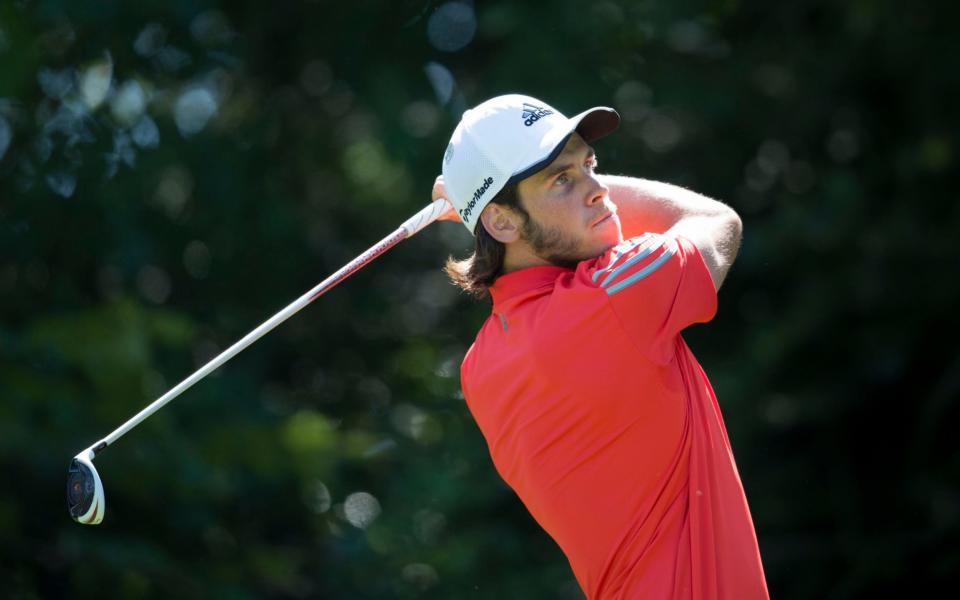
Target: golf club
85, 496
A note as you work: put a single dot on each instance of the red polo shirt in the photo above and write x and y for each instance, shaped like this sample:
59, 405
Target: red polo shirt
599, 417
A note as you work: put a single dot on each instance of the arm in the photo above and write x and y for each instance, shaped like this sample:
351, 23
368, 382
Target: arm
713, 227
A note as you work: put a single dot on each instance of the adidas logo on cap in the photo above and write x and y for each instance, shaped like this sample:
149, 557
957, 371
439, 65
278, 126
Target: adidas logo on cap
531, 113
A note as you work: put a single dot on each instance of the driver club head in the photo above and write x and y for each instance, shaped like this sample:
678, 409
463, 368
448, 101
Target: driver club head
85, 497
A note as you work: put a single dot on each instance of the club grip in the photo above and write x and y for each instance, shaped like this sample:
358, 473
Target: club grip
427, 215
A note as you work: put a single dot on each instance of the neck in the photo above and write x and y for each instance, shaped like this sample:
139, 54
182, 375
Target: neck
519, 255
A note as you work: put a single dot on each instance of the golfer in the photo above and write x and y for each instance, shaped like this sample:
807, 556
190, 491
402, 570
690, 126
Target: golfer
595, 411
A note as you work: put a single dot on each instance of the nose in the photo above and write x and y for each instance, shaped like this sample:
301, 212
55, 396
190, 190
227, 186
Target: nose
597, 191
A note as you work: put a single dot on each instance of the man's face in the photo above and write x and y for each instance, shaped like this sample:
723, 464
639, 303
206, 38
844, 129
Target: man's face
571, 216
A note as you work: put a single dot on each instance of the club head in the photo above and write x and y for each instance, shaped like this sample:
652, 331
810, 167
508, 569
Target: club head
85, 497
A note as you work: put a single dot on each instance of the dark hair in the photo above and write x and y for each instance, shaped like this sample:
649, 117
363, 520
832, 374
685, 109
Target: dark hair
476, 273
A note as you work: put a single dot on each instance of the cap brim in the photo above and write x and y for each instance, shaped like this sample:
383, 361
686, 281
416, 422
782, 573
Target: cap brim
591, 124
595, 123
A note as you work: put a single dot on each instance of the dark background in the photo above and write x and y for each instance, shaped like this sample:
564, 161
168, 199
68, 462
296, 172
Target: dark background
172, 173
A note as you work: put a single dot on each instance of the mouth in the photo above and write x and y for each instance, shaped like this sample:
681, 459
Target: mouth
603, 219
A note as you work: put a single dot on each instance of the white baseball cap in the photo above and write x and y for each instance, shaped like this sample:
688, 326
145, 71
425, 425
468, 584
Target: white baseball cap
505, 140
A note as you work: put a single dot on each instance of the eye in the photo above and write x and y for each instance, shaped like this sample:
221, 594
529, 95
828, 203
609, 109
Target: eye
592, 163
561, 179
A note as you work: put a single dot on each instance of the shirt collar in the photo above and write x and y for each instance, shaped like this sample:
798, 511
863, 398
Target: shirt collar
522, 282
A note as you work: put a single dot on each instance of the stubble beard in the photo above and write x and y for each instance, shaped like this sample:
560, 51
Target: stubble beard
552, 244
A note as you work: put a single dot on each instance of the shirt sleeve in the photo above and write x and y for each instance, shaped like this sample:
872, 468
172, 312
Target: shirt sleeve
657, 285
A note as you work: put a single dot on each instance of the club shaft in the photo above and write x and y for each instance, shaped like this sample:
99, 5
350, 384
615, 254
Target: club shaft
409, 228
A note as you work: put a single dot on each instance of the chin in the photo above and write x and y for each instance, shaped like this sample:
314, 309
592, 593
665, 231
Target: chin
610, 237
598, 247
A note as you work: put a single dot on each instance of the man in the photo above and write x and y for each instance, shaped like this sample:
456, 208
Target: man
595, 411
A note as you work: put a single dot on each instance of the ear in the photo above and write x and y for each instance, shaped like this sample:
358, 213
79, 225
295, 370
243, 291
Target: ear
501, 223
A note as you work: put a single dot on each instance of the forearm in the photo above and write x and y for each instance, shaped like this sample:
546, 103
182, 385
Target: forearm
652, 206
644, 205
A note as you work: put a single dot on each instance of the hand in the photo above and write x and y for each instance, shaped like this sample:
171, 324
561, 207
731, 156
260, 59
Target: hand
440, 192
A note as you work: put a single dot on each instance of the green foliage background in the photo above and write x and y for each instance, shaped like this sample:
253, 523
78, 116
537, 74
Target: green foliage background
172, 173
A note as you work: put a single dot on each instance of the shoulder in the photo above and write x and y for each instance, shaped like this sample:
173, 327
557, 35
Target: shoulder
630, 261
